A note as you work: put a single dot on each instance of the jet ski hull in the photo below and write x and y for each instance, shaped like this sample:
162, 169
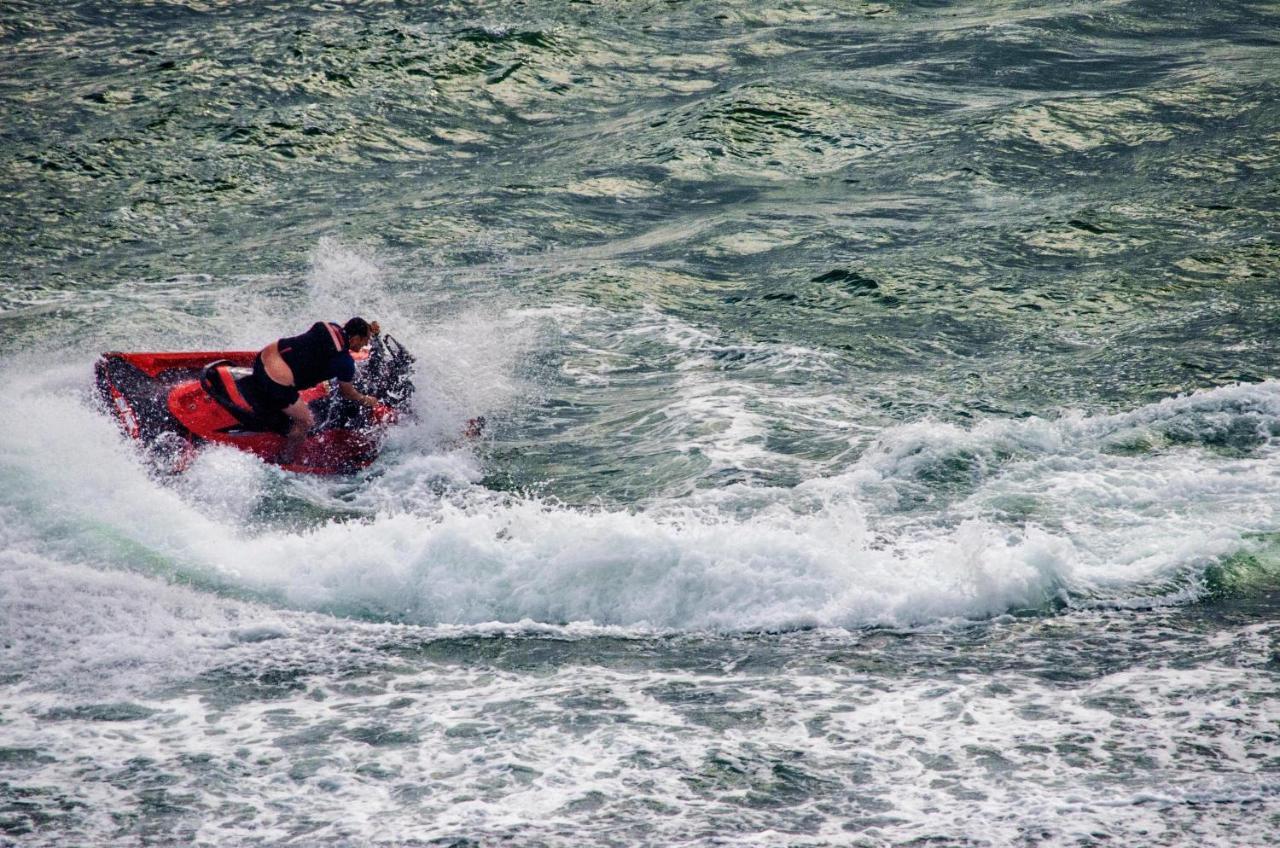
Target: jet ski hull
158, 399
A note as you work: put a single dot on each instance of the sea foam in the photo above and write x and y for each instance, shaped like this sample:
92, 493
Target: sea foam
1033, 513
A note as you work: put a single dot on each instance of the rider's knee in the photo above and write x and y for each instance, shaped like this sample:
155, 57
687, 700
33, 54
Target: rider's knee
303, 420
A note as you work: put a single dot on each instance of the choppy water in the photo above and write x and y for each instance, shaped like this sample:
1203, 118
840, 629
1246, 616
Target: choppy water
885, 431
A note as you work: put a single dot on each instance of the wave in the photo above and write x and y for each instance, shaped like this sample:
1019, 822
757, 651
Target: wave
931, 522
877, 523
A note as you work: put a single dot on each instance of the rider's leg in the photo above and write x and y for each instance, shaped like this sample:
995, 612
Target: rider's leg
300, 421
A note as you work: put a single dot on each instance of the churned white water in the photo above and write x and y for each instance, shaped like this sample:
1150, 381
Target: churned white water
881, 439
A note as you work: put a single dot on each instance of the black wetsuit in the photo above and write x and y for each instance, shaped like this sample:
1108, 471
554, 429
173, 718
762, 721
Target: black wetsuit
317, 355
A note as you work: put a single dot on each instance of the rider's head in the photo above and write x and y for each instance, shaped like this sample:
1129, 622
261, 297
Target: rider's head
357, 331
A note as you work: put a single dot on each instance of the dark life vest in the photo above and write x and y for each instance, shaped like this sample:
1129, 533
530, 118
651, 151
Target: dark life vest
317, 355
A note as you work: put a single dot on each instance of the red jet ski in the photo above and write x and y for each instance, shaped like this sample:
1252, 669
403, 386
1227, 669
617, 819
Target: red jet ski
173, 403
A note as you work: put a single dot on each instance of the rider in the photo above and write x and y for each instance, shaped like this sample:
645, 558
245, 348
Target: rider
285, 367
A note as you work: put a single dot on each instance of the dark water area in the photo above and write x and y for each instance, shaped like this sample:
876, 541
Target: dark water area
914, 186
883, 424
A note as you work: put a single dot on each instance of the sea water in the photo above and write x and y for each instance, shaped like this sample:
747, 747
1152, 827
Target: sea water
883, 445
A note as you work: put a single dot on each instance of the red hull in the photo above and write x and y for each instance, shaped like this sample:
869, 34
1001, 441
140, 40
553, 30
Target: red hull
158, 399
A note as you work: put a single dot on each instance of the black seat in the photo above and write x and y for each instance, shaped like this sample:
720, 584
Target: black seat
238, 396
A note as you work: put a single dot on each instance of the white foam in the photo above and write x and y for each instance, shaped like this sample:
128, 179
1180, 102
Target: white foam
832, 552
931, 521
583, 748
108, 633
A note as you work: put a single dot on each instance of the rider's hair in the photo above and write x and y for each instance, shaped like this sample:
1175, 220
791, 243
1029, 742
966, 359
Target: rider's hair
356, 327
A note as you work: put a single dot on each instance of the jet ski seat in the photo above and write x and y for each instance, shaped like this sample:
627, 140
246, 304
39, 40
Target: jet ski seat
233, 388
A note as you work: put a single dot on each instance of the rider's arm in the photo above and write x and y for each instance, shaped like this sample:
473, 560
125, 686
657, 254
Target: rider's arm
350, 392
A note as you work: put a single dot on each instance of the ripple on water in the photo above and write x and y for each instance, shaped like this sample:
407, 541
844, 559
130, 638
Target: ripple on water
795, 316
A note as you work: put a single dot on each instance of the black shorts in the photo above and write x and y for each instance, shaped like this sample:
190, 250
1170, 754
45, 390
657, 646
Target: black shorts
267, 395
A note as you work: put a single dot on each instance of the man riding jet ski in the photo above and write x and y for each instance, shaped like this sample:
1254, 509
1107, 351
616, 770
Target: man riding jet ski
285, 367
277, 403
